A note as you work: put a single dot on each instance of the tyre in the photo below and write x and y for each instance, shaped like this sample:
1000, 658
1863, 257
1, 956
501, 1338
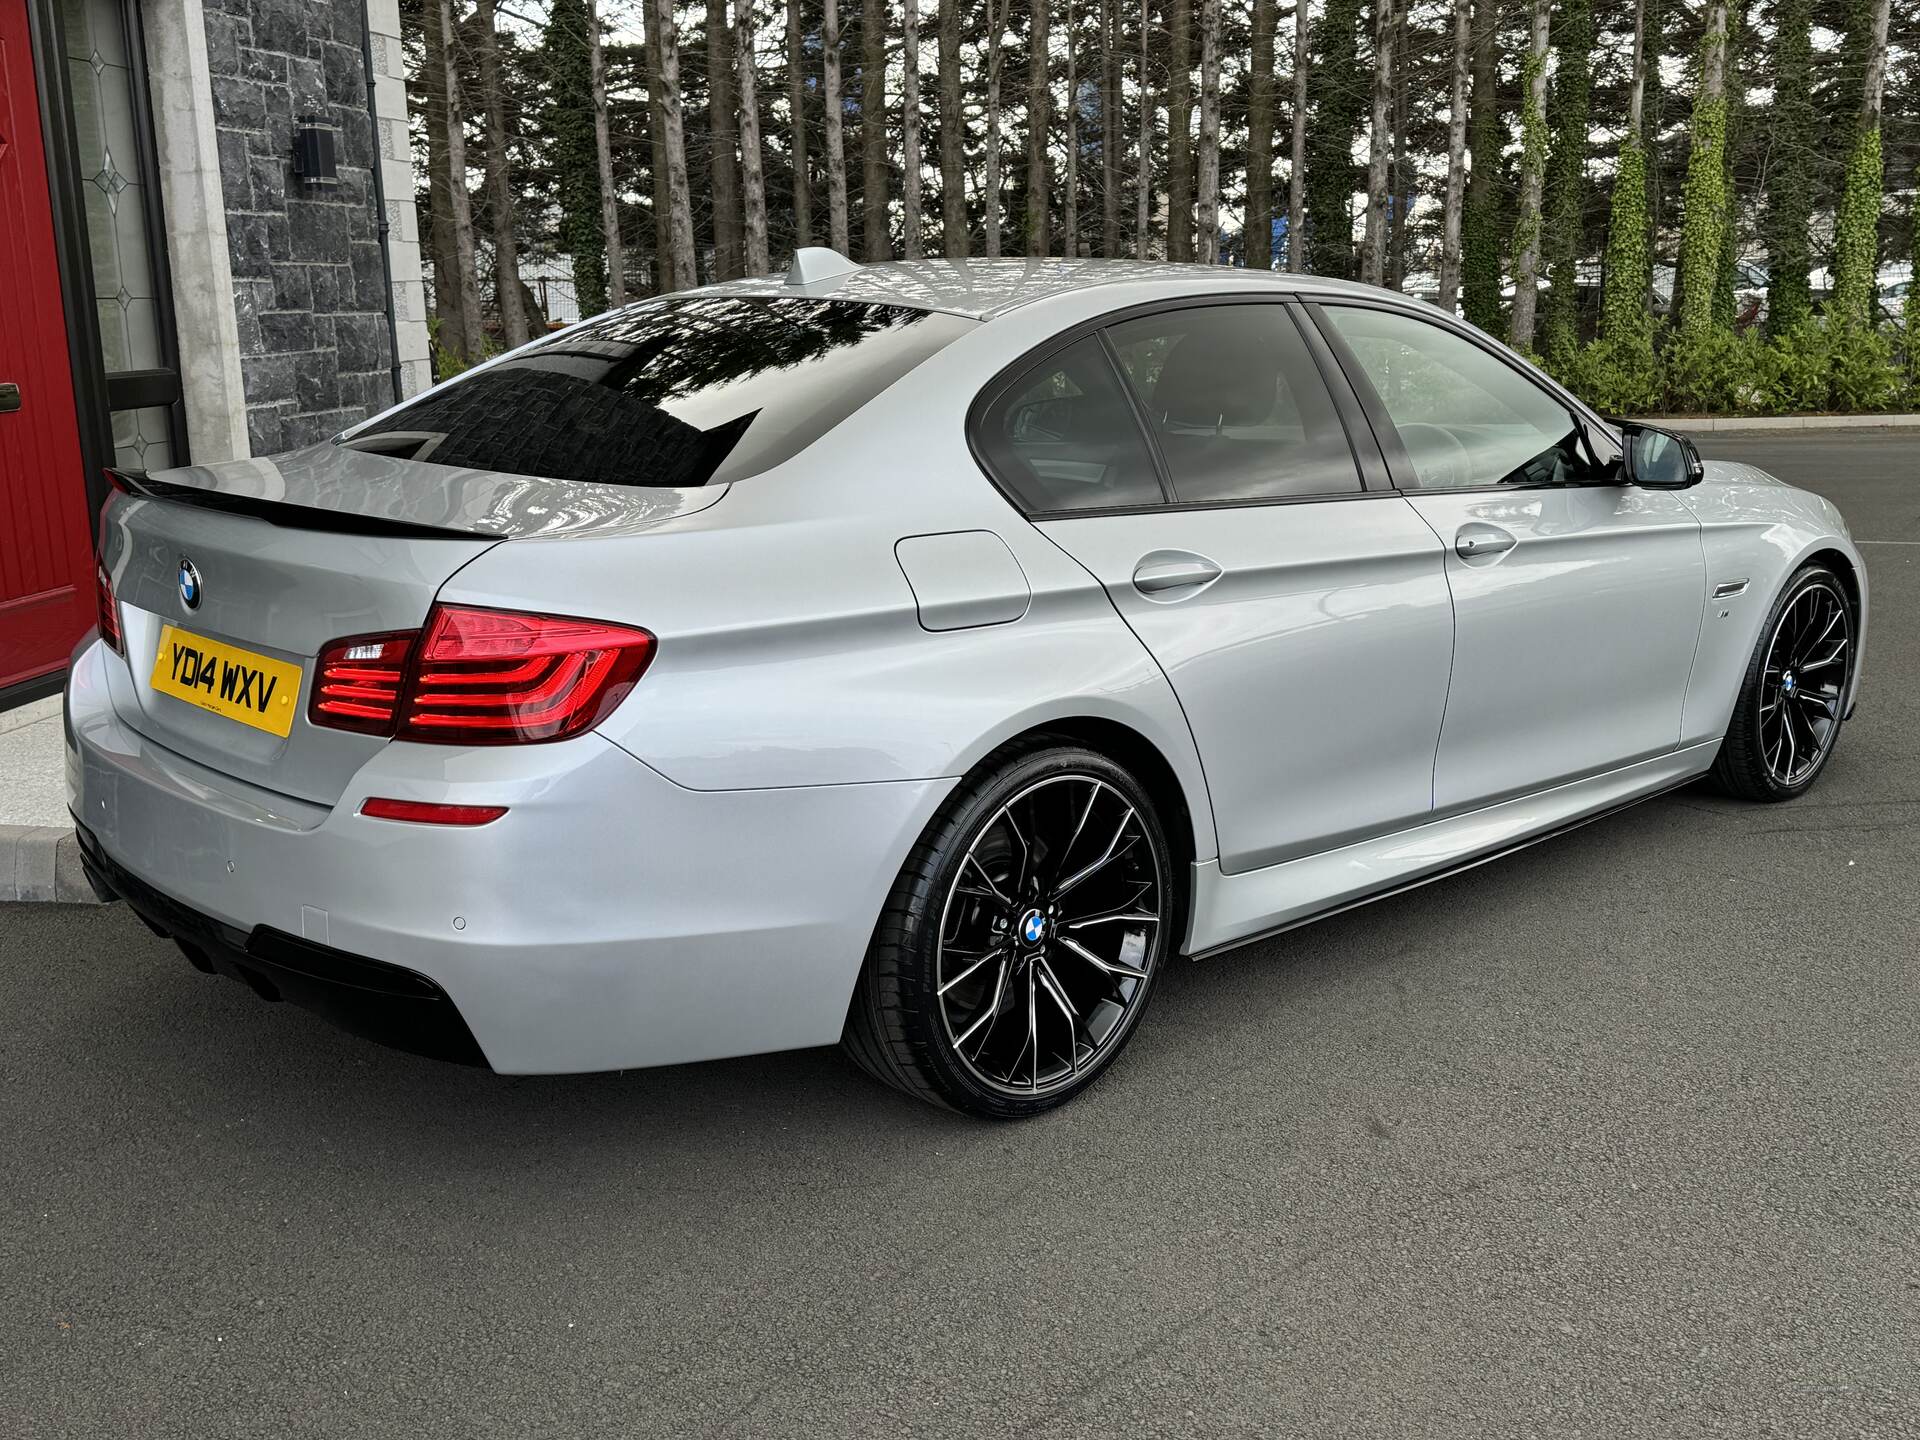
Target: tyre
1787, 720
1022, 940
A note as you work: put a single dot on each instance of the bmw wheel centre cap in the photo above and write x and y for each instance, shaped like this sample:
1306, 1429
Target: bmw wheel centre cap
189, 584
1033, 927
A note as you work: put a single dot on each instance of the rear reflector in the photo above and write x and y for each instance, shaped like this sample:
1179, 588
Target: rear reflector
479, 677
421, 813
356, 682
497, 677
109, 608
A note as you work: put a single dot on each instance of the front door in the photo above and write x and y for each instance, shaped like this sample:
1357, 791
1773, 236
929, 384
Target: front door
1577, 604
1303, 620
46, 588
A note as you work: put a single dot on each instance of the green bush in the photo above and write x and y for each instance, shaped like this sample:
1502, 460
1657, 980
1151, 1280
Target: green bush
1794, 373
1712, 371
1865, 377
1618, 376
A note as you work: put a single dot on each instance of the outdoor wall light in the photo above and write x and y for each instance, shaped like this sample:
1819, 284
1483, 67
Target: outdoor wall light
316, 150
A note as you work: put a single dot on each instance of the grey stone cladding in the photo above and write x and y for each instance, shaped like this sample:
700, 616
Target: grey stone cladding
309, 286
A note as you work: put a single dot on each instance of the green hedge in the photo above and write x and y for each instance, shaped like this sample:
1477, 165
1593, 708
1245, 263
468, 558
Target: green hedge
1820, 366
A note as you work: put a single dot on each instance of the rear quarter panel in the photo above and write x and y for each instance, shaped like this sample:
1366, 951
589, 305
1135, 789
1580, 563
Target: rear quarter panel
791, 648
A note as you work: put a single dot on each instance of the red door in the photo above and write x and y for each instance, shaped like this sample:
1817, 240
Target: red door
46, 554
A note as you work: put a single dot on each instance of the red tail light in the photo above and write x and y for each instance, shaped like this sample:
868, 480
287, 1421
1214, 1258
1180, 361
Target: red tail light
109, 608
356, 682
480, 677
496, 677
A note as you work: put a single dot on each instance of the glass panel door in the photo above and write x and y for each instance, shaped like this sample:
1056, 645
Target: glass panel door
132, 294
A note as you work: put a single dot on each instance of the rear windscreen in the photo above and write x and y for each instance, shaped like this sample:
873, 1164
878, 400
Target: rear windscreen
672, 392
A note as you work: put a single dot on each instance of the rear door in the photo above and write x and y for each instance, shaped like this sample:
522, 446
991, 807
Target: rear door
1577, 599
1195, 461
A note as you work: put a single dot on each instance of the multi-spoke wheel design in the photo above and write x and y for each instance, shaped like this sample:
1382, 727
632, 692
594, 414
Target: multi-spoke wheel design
1048, 933
1795, 694
1022, 940
1803, 684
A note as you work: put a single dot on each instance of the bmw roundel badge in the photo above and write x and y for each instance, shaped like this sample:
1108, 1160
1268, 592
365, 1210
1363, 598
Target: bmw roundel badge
1033, 927
189, 584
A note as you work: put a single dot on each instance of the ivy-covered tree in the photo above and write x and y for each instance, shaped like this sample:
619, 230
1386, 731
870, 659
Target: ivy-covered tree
1703, 217
1533, 168
1795, 136
576, 156
1857, 225
1563, 237
1335, 120
1726, 269
1480, 222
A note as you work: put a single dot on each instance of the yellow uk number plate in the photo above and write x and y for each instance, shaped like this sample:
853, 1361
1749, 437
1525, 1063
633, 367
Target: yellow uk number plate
227, 680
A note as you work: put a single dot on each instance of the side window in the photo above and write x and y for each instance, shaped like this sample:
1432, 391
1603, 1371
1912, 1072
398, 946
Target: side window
1236, 403
1464, 416
1062, 437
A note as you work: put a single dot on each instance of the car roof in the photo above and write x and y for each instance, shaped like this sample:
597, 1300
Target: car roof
981, 289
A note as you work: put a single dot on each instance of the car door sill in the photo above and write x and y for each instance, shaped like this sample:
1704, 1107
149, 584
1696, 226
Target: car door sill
1238, 909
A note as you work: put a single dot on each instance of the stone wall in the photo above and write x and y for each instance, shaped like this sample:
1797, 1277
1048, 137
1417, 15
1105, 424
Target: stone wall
309, 284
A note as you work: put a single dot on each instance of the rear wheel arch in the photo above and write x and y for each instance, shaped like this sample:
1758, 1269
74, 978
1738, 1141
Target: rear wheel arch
1127, 747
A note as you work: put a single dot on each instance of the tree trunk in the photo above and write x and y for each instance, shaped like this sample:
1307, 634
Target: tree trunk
797, 127
657, 126
603, 157
1480, 223
1039, 119
910, 221
460, 211
728, 261
682, 272
1338, 119
837, 231
1400, 231
953, 155
1180, 131
506, 249
450, 331
873, 129
1209, 182
1626, 273
990, 180
1857, 225
1373, 255
753, 180
1449, 294
1703, 215
1533, 169
1070, 200
1297, 177
1796, 131
1259, 227
1110, 136
1562, 234
1143, 180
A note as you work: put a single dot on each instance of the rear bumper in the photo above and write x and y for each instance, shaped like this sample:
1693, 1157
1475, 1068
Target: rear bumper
387, 1003
611, 919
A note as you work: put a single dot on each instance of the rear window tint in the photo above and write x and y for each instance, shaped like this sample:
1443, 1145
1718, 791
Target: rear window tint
683, 392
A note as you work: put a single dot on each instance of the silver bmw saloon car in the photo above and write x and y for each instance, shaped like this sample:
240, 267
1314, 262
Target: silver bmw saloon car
918, 657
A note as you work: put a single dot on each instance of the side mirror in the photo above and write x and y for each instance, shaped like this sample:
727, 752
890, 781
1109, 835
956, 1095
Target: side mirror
1656, 459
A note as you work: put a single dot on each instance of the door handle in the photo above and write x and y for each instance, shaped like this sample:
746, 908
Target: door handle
1474, 541
1159, 574
9, 397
